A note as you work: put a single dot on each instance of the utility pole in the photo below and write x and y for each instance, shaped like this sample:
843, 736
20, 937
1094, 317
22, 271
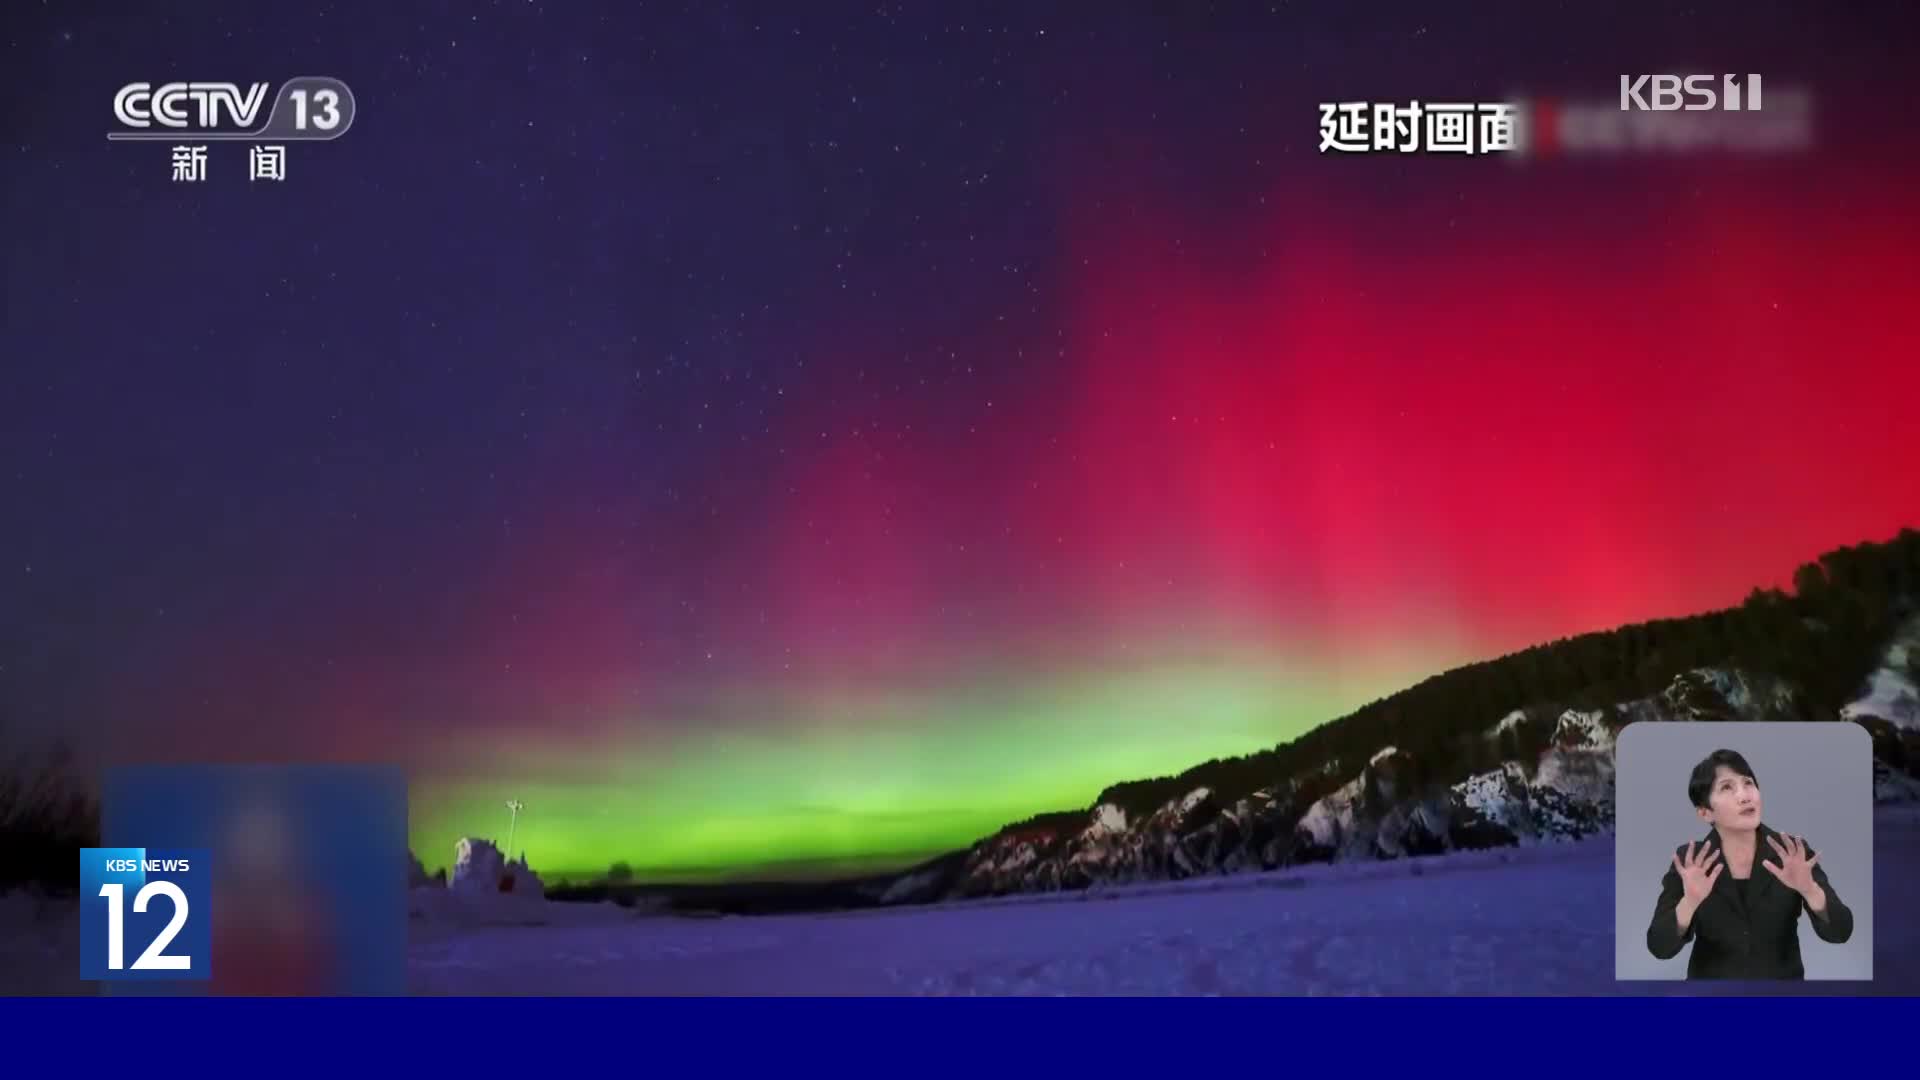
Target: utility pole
514, 806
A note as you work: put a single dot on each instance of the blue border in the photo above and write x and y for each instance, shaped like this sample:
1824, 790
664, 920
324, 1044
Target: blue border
970, 1037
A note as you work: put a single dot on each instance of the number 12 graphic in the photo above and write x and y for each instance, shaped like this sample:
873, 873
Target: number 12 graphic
155, 957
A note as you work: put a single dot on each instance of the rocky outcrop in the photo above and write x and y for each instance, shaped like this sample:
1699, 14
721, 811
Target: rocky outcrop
479, 869
1892, 693
1392, 806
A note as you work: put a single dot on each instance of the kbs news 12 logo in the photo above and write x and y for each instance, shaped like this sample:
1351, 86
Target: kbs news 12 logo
310, 108
145, 913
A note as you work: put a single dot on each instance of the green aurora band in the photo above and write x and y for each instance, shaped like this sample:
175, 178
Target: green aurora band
864, 781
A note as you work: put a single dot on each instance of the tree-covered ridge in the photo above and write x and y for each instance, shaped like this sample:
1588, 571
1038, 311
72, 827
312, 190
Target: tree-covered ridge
1824, 639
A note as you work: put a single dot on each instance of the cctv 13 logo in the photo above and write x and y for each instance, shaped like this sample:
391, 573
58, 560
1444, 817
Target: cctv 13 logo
145, 913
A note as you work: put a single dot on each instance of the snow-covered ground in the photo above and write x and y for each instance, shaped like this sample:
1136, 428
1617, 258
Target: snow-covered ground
39, 946
1524, 921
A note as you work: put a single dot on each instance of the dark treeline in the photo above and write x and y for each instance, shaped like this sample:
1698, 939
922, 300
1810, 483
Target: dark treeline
47, 814
727, 898
1824, 639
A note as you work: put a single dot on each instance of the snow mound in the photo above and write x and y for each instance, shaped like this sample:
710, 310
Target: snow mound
479, 868
1108, 818
1329, 821
1890, 693
1583, 731
1712, 693
1499, 796
1510, 721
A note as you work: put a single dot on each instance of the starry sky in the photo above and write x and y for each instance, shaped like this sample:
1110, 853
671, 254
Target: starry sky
774, 443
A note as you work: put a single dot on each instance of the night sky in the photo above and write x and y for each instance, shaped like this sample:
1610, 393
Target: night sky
770, 444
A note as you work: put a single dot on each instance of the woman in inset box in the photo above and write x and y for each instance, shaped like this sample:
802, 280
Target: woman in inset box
1738, 894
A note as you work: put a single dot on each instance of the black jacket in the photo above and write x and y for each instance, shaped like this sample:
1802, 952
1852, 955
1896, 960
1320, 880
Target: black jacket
1755, 936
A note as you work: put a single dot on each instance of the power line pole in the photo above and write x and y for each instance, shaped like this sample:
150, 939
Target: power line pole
515, 806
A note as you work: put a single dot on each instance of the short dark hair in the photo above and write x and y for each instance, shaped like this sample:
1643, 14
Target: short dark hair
1700, 784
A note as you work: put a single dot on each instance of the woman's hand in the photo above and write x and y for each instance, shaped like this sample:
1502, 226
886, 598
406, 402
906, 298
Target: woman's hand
1698, 871
1795, 870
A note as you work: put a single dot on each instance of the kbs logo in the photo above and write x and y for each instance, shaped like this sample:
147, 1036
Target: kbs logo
311, 107
144, 914
1693, 93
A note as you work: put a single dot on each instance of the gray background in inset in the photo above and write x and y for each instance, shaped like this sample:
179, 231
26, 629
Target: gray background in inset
1816, 782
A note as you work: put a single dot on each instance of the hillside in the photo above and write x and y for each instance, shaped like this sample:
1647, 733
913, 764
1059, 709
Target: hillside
1516, 750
